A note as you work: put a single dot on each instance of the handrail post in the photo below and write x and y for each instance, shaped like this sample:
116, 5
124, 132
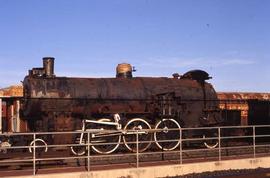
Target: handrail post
1, 126
137, 149
219, 145
88, 151
34, 154
180, 140
254, 142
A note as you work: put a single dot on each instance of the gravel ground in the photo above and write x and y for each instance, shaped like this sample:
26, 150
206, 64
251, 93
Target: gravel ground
243, 173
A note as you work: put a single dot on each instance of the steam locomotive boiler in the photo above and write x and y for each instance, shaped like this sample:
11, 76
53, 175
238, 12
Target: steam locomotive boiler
124, 105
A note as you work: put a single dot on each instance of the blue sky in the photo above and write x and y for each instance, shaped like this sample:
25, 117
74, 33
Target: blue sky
230, 39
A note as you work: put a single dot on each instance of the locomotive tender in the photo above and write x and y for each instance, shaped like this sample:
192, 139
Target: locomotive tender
124, 104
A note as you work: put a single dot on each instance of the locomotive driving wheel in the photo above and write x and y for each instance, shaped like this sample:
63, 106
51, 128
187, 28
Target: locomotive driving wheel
108, 139
104, 138
167, 136
80, 141
137, 127
79, 149
211, 142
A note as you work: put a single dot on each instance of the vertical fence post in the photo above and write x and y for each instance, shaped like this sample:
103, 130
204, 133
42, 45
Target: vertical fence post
219, 145
180, 140
34, 154
11, 110
254, 142
17, 116
88, 151
137, 149
1, 126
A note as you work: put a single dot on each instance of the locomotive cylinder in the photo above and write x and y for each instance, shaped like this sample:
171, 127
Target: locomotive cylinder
48, 65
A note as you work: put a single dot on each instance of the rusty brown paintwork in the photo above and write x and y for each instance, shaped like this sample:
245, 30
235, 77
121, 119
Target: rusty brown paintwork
238, 101
242, 96
12, 91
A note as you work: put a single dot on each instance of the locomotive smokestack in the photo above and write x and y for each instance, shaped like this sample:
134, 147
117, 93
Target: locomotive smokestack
48, 65
124, 70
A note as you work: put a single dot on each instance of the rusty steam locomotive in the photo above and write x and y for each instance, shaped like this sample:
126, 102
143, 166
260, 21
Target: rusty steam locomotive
124, 105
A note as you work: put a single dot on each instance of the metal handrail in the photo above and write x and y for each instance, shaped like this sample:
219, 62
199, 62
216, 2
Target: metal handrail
182, 140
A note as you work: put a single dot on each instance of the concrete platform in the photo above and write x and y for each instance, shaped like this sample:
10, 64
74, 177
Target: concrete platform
163, 171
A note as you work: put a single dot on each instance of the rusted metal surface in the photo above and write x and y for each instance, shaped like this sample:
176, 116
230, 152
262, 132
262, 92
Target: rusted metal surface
238, 101
48, 65
242, 96
12, 91
11, 120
